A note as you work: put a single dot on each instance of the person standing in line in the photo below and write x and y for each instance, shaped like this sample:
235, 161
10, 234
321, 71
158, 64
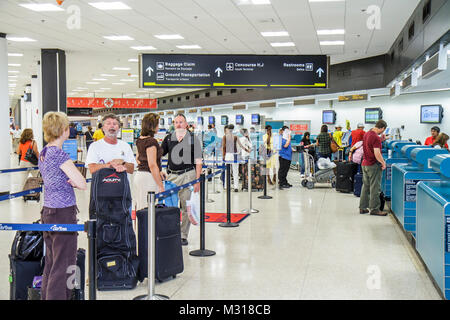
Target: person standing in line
372, 166
230, 144
358, 134
89, 137
271, 155
306, 145
60, 176
27, 142
324, 143
285, 156
356, 154
73, 131
149, 176
98, 134
441, 141
246, 144
184, 165
337, 136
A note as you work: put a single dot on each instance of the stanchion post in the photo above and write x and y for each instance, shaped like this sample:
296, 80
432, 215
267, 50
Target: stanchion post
202, 252
265, 196
91, 230
207, 193
249, 186
228, 224
151, 252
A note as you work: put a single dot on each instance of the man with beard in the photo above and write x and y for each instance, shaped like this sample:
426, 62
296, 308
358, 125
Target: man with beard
110, 152
184, 165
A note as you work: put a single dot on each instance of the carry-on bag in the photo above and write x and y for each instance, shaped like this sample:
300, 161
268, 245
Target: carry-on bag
169, 254
80, 164
358, 181
32, 183
345, 175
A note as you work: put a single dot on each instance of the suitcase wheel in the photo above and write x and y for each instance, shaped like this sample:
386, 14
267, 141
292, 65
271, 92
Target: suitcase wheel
304, 182
310, 185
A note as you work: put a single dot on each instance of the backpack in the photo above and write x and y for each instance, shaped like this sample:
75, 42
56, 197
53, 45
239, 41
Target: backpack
28, 245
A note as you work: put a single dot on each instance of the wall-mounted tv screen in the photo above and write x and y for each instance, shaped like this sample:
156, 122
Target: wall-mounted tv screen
211, 120
372, 115
256, 119
161, 121
200, 120
169, 121
328, 117
224, 120
239, 119
431, 114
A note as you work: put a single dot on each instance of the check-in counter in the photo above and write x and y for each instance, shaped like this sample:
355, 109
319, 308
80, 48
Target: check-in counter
433, 223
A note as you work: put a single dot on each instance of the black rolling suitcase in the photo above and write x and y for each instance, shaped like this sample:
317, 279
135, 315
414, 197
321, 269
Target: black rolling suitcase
169, 254
345, 174
358, 184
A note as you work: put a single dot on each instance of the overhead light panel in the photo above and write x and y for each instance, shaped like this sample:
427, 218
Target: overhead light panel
142, 48
188, 47
118, 83
41, 7
99, 79
121, 68
117, 5
107, 75
127, 80
13, 71
330, 32
169, 36
20, 39
15, 54
332, 43
275, 34
118, 38
133, 60
282, 44
92, 82
14, 64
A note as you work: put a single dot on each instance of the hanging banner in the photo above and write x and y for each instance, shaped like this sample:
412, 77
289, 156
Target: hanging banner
111, 103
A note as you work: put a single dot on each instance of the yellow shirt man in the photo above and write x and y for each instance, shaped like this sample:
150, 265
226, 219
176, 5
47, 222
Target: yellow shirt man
337, 136
98, 135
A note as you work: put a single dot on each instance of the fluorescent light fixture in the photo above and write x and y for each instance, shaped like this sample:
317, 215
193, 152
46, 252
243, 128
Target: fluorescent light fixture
168, 36
12, 76
121, 68
108, 75
99, 79
282, 44
118, 83
133, 60
12, 84
332, 43
259, 2
92, 82
105, 88
15, 54
12, 80
187, 47
142, 48
118, 38
20, 39
159, 92
275, 34
41, 7
14, 64
330, 32
13, 71
81, 88
117, 5
127, 80
134, 76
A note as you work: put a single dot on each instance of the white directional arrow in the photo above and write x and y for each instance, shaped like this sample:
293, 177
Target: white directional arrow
320, 71
218, 71
149, 70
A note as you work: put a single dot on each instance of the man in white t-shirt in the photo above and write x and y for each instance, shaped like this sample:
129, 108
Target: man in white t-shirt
110, 152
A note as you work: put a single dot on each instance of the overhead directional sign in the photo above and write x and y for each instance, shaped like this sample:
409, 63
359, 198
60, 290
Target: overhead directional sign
263, 71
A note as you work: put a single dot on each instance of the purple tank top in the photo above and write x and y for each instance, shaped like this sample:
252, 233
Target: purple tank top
58, 193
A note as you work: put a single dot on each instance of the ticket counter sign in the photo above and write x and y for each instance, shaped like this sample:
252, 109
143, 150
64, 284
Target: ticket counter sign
238, 71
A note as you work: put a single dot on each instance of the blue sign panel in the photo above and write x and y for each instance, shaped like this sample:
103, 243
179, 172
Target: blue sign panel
71, 148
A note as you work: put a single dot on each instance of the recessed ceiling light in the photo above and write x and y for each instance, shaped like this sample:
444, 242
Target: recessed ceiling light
133, 60
12, 80
330, 32
169, 36
117, 5
12, 84
275, 34
332, 43
105, 88
121, 68
20, 39
15, 54
41, 7
118, 83
12, 76
194, 46
92, 82
118, 38
108, 75
14, 64
282, 44
81, 88
99, 79
141, 48
13, 71
127, 80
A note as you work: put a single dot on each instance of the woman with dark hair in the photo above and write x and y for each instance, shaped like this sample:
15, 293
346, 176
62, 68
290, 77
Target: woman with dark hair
324, 143
271, 156
26, 142
305, 144
441, 141
89, 137
148, 156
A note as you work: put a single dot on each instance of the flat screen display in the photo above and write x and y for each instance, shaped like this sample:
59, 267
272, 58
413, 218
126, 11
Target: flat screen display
431, 114
328, 117
239, 119
169, 121
256, 119
372, 115
224, 120
211, 120
200, 120
161, 121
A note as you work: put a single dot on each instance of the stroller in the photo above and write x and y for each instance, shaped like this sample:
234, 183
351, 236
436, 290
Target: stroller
312, 177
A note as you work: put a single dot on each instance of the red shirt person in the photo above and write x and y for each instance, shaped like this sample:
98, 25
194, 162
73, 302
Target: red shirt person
434, 133
358, 134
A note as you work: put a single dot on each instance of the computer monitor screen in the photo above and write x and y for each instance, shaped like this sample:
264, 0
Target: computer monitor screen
224, 120
431, 114
161, 121
328, 117
239, 119
169, 121
256, 119
200, 120
372, 115
211, 120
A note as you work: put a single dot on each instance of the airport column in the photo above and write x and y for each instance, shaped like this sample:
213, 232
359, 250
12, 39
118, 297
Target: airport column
36, 110
53, 71
4, 115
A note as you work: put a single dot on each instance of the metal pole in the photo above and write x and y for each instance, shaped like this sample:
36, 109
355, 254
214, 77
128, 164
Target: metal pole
249, 186
207, 193
265, 196
202, 252
91, 229
228, 224
214, 171
151, 252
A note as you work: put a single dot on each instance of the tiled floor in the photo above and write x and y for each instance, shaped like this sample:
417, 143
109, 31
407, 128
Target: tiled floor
303, 244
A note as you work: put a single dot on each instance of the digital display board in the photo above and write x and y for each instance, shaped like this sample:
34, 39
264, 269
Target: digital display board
211, 120
161, 121
372, 115
200, 120
252, 71
239, 119
256, 119
328, 117
169, 121
224, 120
431, 114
